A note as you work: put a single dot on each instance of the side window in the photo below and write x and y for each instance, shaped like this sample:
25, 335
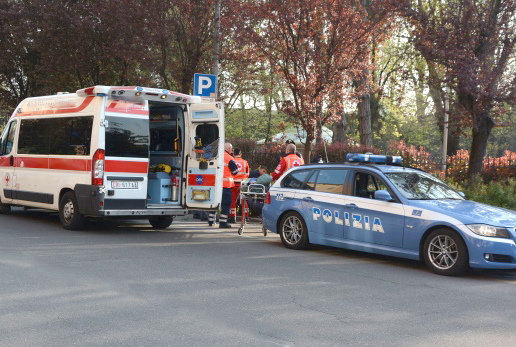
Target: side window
295, 179
56, 136
7, 141
366, 185
310, 184
34, 136
331, 181
71, 136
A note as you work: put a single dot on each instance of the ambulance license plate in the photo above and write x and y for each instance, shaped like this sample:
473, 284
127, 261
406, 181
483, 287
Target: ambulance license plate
124, 185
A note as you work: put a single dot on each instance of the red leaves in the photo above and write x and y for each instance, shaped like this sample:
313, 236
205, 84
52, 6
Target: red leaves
318, 46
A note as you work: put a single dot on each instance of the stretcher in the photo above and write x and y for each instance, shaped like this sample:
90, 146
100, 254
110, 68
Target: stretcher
255, 192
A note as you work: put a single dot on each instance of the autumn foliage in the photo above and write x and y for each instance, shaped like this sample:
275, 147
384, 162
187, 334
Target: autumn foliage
318, 47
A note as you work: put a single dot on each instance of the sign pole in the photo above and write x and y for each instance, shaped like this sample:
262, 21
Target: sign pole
445, 129
216, 45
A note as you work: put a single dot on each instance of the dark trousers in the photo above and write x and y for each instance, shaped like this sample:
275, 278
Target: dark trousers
224, 208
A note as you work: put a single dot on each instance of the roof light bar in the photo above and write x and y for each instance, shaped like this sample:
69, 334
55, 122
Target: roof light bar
373, 159
139, 94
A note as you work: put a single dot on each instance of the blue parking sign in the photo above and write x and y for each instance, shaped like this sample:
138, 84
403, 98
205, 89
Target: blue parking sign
205, 85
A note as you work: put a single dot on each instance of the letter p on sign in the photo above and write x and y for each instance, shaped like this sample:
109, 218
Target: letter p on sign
205, 85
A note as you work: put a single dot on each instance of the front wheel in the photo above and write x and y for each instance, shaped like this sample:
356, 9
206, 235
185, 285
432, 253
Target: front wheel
446, 253
69, 214
293, 231
161, 222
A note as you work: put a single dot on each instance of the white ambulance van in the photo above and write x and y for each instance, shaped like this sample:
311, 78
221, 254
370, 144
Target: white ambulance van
113, 152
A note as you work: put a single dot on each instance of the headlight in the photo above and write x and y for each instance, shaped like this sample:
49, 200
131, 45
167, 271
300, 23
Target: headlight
488, 230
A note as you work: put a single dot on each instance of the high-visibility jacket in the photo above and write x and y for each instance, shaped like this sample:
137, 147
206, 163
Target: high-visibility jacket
230, 169
287, 162
243, 170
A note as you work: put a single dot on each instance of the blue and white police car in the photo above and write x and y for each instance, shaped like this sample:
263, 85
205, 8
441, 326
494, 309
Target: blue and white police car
373, 204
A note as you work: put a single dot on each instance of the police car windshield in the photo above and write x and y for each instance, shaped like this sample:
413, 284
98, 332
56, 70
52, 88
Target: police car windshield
421, 186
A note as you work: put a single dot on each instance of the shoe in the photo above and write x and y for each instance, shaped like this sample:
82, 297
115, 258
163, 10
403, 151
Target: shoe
224, 226
210, 224
232, 220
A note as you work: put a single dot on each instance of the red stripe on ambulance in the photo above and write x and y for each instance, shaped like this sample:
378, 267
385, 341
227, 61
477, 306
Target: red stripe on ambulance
69, 164
31, 163
79, 108
201, 180
127, 166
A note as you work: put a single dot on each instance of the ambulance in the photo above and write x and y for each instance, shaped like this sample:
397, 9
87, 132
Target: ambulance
104, 151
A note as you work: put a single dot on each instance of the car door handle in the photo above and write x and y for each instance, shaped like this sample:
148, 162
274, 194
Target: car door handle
11, 160
351, 206
307, 198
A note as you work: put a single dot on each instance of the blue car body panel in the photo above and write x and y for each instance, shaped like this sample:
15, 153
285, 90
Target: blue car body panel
394, 228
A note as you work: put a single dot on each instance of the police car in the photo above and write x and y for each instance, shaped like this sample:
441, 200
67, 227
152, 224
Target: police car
373, 204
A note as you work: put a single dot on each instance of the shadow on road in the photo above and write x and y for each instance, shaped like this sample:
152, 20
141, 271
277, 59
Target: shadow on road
189, 229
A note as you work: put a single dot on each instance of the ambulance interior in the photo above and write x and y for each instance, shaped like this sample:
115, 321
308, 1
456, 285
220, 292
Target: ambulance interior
166, 153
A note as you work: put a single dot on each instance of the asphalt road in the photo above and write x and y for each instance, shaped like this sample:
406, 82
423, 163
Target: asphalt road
190, 285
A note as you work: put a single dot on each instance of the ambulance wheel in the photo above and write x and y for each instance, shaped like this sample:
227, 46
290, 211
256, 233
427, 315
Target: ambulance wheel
69, 214
5, 209
445, 253
293, 231
161, 222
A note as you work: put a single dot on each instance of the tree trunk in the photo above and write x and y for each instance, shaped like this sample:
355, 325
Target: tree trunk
364, 119
308, 146
481, 131
341, 129
318, 134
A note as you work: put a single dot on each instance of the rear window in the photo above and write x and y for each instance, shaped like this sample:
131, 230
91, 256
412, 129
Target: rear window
127, 137
295, 179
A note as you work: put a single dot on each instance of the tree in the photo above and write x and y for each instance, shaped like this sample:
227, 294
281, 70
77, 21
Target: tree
317, 47
474, 41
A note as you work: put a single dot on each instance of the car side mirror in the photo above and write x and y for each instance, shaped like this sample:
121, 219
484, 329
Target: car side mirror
462, 194
383, 195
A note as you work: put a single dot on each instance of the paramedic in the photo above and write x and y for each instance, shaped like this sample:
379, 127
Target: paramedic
230, 169
243, 173
287, 162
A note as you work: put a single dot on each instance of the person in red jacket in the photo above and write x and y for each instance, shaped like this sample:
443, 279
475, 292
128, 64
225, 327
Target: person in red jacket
243, 173
287, 162
230, 169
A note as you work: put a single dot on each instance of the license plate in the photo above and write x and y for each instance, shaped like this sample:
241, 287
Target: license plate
124, 185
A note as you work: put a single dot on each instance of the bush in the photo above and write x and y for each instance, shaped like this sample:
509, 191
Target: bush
496, 193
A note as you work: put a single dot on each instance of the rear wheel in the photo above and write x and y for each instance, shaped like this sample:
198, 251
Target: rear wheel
5, 209
69, 214
446, 253
293, 231
161, 222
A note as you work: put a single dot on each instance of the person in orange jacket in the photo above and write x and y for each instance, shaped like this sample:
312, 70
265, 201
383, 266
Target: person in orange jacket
230, 169
287, 162
243, 173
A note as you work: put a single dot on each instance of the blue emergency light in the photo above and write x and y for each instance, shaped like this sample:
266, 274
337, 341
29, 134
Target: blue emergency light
373, 159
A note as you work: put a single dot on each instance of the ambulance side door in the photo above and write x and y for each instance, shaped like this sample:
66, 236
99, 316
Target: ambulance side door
7, 150
204, 162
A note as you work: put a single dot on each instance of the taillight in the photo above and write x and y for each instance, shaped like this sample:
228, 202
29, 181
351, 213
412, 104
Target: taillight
268, 198
97, 170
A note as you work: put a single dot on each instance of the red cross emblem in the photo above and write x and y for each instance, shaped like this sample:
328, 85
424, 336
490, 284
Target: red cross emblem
7, 179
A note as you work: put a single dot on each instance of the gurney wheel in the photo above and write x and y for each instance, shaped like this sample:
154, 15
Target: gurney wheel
264, 231
240, 230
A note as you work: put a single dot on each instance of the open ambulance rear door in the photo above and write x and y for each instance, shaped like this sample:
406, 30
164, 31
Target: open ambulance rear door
205, 161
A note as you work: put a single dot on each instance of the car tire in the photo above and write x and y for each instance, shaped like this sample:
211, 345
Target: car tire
293, 231
445, 253
69, 214
5, 209
161, 222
